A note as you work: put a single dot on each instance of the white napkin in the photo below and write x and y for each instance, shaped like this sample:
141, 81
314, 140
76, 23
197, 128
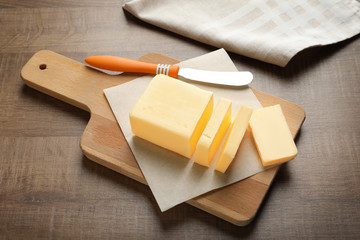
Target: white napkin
271, 30
172, 178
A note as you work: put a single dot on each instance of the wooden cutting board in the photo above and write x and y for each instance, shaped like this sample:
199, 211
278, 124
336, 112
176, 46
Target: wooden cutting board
104, 143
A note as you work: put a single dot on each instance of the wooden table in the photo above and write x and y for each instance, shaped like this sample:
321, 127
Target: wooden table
48, 189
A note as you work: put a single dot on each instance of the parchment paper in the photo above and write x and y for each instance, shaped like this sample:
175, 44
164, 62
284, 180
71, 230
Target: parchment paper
174, 179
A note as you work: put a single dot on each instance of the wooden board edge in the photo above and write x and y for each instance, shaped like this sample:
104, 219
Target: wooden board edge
219, 211
112, 164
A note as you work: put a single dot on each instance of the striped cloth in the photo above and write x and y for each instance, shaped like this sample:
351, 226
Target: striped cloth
269, 30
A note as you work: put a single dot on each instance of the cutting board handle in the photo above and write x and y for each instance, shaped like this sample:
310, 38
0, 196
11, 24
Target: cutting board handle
54, 75
71, 81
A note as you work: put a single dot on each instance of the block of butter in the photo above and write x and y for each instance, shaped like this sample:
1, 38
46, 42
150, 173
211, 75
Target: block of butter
234, 138
272, 135
172, 114
213, 133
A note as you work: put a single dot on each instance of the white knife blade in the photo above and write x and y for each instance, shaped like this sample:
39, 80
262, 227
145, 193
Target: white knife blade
222, 78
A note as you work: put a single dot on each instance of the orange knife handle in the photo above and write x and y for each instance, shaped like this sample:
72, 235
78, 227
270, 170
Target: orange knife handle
120, 64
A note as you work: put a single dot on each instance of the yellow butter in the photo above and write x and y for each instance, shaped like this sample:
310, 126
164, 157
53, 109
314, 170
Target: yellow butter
172, 114
213, 133
234, 138
272, 135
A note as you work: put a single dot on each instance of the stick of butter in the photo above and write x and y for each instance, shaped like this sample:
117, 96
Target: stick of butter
272, 136
234, 138
172, 114
213, 133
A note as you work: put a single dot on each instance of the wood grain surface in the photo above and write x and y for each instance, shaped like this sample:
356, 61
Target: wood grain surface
49, 190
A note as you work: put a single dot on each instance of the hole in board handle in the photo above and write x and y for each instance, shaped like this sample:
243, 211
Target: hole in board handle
42, 66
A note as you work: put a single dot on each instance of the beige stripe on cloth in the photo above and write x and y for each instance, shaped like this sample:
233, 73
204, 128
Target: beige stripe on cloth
272, 31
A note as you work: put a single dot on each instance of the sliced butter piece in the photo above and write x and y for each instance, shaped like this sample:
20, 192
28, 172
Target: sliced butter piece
172, 114
213, 133
234, 138
272, 136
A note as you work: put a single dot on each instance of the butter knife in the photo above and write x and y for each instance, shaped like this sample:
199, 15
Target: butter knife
120, 64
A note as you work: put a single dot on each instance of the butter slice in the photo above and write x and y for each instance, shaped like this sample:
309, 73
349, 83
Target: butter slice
234, 138
172, 114
272, 136
213, 133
